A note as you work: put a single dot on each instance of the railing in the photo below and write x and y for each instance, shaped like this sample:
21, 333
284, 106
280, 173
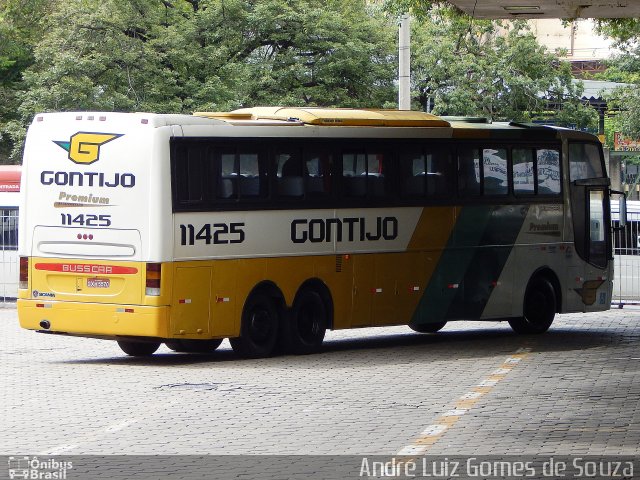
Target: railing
626, 280
8, 254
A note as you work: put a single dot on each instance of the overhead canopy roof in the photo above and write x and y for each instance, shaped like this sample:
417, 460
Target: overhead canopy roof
597, 89
512, 9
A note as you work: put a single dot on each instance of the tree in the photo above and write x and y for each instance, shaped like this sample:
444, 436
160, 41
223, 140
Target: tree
19, 29
332, 53
625, 68
493, 69
186, 55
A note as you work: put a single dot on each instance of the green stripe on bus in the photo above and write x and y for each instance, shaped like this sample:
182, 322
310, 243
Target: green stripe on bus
474, 257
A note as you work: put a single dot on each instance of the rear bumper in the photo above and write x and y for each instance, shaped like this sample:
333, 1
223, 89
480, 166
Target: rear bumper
95, 319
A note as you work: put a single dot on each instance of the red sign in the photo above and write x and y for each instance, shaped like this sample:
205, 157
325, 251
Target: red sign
86, 268
10, 178
625, 144
9, 187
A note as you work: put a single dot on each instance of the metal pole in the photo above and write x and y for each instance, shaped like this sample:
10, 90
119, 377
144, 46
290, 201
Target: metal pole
404, 68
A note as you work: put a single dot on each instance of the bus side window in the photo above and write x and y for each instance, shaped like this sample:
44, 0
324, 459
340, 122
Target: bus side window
494, 162
468, 172
548, 170
376, 170
191, 174
523, 171
363, 174
317, 174
413, 173
249, 175
425, 173
354, 174
438, 173
289, 175
228, 179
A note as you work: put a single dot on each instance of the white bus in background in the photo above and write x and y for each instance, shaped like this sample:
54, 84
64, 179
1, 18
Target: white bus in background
9, 200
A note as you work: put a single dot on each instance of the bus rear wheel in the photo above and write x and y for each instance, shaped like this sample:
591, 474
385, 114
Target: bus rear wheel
305, 329
259, 328
193, 346
539, 308
138, 349
428, 327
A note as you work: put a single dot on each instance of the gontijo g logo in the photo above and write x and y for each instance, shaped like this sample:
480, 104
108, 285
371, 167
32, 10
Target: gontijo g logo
84, 147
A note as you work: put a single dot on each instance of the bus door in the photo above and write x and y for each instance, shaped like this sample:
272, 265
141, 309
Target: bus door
591, 213
592, 239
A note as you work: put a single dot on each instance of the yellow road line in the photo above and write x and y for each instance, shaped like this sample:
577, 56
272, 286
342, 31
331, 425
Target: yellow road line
432, 433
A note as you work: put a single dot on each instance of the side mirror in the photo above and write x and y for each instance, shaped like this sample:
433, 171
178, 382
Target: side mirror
622, 208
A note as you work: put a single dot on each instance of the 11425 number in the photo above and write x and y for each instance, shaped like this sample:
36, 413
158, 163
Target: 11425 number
86, 220
212, 233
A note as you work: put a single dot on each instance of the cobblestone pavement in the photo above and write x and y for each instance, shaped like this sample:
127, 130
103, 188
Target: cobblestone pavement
473, 388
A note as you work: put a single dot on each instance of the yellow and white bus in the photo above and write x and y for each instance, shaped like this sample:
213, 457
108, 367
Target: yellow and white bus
268, 226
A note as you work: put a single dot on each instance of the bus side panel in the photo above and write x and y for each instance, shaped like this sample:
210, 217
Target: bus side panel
191, 300
470, 270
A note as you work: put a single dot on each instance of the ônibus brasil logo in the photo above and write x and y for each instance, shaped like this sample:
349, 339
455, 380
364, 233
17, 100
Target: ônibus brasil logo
84, 147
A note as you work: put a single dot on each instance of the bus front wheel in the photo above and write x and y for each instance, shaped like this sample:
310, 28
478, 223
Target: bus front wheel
539, 308
305, 329
138, 349
259, 328
193, 346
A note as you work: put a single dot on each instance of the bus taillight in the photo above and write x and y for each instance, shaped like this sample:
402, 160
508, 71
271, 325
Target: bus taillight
153, 279
24, 273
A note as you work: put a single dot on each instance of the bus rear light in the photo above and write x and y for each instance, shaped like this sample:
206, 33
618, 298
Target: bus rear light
23, 283
154, 274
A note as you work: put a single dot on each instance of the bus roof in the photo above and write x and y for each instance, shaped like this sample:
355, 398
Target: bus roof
461, 127
333, 116
422, 123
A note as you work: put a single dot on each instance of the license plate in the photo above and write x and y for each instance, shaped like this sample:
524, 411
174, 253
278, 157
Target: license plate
98, 283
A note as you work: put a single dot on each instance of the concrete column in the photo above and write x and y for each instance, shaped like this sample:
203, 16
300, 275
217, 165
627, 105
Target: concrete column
614, 169
404, 67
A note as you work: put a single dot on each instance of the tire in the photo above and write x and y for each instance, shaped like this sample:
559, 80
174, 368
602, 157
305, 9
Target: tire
428, 327
193, 346
259, 328
539, 308
307, 324
138, 349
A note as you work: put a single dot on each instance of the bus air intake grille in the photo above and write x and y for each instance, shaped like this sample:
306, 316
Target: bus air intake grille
338, 263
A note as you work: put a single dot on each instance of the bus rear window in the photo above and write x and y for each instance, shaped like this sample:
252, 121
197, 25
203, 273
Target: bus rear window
585, 161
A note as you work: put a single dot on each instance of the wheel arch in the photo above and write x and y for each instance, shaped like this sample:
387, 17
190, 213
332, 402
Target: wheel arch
548, 274
317, 285
270, 289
